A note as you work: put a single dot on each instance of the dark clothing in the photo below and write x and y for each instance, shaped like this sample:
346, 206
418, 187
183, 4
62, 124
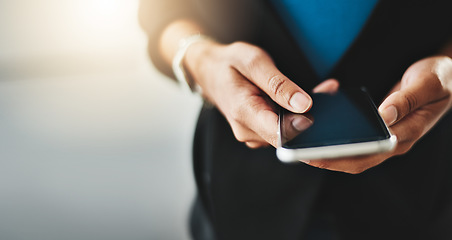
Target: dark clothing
249, 194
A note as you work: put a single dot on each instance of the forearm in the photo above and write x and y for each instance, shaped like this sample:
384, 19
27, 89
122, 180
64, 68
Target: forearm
155, 16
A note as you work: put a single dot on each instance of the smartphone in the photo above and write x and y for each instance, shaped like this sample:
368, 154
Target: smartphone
342, 124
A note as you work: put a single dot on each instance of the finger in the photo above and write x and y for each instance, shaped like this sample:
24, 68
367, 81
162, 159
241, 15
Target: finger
294, 124
413, 126
255, 145
327, 86
262, 120
245, 134
411, 97
243, 114
259, 68
352, 165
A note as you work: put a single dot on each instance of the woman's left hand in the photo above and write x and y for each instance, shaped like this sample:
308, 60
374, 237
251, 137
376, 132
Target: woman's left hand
411, 109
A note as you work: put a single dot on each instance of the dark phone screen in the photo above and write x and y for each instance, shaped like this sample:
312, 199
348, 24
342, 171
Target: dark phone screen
347, 116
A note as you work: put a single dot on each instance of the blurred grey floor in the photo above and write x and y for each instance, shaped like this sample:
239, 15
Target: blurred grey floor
94, 144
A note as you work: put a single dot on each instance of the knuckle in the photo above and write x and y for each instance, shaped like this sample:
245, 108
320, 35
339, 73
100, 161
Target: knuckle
239, 45
237, 129
277, 85
410, 101
240, 138
246, 54
358, 170
251, 145
255, 145
252, 58
240, 135
245, 48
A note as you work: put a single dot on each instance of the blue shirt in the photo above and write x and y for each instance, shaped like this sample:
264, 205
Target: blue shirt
324, 29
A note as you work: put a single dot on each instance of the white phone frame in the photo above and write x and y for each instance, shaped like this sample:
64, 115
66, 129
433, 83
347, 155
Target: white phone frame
334, 151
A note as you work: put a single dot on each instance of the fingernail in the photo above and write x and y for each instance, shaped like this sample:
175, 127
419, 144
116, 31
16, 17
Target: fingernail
301, 123
389, 115
300, 102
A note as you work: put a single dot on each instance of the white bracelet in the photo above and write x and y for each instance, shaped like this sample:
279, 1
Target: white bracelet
178, 63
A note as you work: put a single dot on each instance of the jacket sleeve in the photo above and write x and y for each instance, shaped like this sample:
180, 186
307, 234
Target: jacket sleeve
154, 16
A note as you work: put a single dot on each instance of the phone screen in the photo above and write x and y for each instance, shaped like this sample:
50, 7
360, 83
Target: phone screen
347, 116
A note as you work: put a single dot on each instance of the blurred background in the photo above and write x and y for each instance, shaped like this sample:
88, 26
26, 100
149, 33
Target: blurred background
94, 143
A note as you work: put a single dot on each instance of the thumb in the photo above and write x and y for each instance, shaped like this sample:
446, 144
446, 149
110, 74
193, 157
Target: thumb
409, 98
258, 67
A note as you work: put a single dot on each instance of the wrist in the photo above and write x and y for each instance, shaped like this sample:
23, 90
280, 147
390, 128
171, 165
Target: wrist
196, 57
179, 64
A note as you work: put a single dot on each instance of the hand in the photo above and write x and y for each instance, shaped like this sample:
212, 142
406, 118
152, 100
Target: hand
412, 108
242, 80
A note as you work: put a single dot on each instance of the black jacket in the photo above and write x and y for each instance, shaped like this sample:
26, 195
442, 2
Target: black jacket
249, 194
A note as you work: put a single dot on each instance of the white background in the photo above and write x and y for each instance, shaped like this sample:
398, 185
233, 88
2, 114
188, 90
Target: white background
94, 143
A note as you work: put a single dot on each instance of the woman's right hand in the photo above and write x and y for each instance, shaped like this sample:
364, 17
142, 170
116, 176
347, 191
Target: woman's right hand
240, 79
